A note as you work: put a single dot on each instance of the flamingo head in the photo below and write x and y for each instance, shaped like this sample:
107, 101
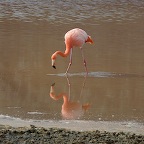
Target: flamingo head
53, 63
53, 58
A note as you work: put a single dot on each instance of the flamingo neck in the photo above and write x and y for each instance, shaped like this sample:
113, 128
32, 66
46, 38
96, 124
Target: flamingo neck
65, 54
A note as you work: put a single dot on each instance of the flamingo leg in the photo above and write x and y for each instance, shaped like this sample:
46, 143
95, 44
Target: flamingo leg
84, 61
83, 86
70, 63
69, 85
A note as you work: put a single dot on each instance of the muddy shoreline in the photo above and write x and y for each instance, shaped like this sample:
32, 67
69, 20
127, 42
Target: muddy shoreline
40, 135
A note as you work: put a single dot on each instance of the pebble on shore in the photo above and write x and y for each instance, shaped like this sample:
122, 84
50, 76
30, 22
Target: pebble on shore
40, 135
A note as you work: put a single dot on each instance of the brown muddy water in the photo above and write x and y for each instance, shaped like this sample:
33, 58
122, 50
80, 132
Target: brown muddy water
31, 31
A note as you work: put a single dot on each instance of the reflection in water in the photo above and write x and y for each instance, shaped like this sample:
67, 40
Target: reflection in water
70, 109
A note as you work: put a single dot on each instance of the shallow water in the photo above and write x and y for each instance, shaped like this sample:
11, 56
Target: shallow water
31, 31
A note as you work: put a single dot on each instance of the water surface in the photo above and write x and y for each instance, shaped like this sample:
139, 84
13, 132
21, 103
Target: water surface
31, 31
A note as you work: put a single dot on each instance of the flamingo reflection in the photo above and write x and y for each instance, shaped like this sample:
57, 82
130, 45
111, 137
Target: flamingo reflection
70, 109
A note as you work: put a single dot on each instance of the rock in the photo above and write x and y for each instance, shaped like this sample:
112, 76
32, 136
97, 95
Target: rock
39, 135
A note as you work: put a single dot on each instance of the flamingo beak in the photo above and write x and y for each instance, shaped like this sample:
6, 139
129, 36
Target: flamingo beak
53, 64
54, 67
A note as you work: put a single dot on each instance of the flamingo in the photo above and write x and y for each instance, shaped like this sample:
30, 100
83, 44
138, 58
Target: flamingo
73, 38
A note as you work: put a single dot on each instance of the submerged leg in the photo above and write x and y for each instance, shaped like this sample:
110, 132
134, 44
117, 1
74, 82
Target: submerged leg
69, 85
70, 63
84, 61
83, 86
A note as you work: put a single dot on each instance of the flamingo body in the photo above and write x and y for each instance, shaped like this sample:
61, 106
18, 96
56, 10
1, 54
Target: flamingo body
73, 38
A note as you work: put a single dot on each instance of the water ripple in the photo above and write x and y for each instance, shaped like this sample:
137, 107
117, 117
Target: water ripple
99, 75
71, 11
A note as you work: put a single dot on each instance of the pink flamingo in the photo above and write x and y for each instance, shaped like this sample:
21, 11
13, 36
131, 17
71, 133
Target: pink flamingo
73, 38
